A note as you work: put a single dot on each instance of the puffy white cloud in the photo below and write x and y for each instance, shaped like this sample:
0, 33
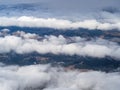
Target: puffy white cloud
25, 21
26, 43
45, 77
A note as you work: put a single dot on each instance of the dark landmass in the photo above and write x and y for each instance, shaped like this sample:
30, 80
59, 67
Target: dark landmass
75, 62
112, 35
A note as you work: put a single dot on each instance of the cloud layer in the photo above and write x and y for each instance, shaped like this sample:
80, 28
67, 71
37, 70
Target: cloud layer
25, 21
22, 42
61, 15
44, 77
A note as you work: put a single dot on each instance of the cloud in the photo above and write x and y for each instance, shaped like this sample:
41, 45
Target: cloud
22, 42
45, 77
25, 21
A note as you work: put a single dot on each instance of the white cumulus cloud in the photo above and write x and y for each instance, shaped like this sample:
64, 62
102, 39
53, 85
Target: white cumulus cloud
25, 21
45, 77
27, 43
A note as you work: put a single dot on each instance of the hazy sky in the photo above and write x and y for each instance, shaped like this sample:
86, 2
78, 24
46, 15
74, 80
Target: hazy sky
72, 8
69, 4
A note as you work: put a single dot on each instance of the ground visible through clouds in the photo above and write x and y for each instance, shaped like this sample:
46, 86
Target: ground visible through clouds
53, 45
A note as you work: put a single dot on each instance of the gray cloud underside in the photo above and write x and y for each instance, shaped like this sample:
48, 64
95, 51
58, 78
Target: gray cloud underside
27, 43
44, 77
